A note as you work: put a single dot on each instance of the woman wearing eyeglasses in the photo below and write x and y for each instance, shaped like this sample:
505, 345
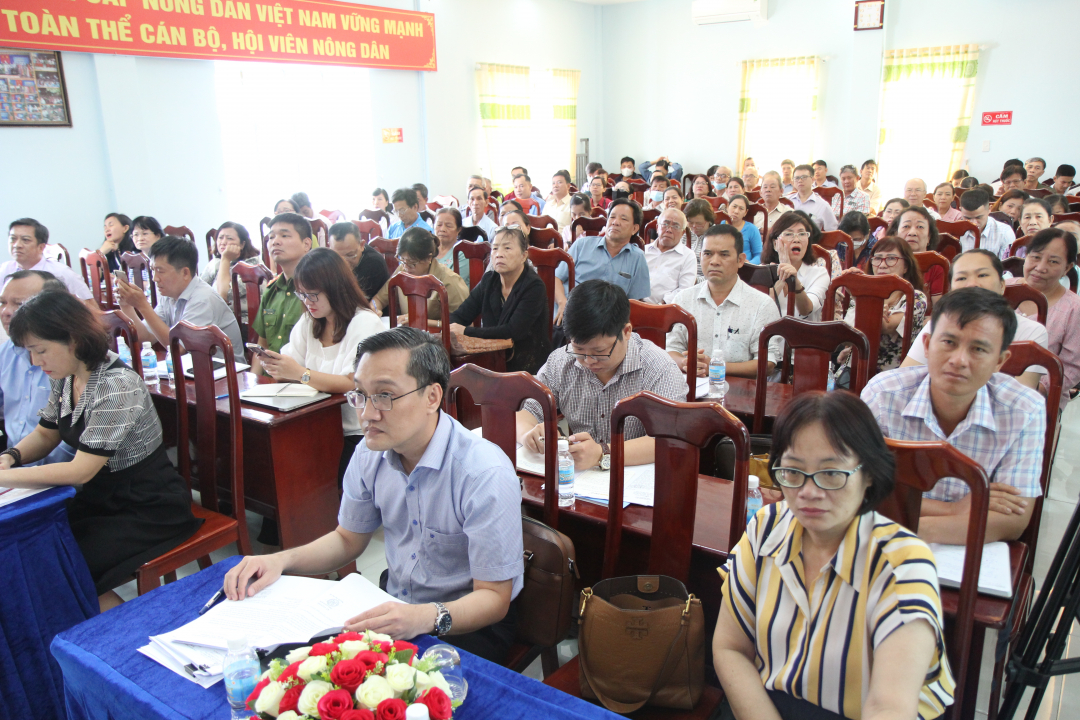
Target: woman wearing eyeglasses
789, 247
322, 346
830, 609
416, 253
916, 226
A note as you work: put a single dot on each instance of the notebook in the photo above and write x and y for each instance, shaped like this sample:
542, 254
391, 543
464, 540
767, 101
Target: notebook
218, 364
995, 572
284, 403
279, 390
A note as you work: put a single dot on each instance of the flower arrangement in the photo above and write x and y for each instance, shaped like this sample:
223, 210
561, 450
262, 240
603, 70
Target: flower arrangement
354, 676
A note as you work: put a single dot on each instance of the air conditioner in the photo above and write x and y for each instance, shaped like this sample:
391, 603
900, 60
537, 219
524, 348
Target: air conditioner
707, 12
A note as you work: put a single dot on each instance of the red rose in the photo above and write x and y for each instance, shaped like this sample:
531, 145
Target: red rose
391, 709
322, 649
250, 702
370, 658
361, 714
439, 706
401, 647
346, 636
290, 699
382, 645
288, 673
349, 674
333, 704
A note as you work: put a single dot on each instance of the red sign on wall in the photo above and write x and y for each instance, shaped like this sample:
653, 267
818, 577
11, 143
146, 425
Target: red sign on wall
997, 118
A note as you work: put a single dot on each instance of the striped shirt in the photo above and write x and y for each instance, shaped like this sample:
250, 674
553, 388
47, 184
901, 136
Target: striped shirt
818, 646
1004, 429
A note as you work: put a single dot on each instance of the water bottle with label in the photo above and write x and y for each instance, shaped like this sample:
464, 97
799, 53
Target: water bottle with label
566, 474
241, 667
149, 364
168, 367
123, 351
717, 373
832, 379
753, 498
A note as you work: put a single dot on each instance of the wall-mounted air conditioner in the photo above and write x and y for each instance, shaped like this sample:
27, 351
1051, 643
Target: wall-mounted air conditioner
707, 12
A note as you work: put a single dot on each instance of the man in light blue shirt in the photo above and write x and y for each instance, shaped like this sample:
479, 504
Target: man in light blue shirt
661, 164
407, 208
804, 198
24, 387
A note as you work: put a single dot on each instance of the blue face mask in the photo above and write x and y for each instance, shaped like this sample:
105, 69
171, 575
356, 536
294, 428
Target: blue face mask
656, 195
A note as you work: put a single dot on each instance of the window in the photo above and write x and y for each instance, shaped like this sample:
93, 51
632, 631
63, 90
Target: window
778, 111
927, 95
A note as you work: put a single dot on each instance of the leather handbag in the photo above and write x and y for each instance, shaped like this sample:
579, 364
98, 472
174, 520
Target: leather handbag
760, 447
642, 641
546, 601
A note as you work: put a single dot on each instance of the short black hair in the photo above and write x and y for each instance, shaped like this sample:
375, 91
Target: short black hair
522, 168
452, 212
593, 167
61, 317
595, 308
634, 207
994, 260
300, 200
1065, 171
726, 229
340, 231
851, 430
419, 243
871, 161
421, 190
298, 221
1050, 234
1032, 200
41, 233
973, 199
970, 304
49, 283
1011, 170
407, 196
628, 159
380, 191
146, 222
564, 174
428, 362
178, 252
822, 163
854, 220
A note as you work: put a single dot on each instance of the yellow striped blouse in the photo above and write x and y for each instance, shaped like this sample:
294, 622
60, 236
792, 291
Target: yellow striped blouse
818, 646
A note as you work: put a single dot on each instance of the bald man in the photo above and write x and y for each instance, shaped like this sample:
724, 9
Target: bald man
672, 265
915, 193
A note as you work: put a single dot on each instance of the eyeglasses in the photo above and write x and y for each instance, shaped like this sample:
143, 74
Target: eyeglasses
409, 264
788, 235
583, 356
831, 479
886, 260
307, 297
669, 225
723, 177
382, 401
802, 177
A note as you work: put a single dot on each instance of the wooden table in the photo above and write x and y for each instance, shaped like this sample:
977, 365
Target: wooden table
290, 458
741, 392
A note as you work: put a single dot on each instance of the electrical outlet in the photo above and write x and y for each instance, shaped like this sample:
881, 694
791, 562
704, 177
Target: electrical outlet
986, 146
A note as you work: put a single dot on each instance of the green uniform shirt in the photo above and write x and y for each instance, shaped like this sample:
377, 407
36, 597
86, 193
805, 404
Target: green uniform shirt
279, 310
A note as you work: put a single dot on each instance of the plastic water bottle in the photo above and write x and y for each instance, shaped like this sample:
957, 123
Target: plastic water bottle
242, 672
417, 711
753, 498
123, 351
168, 367
717, 374
149, 364
566, 474
832, 379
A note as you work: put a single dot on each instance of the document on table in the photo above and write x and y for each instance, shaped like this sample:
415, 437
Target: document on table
13, 495
995, 573
155, 653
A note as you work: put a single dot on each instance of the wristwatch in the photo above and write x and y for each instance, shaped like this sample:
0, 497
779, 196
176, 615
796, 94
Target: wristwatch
605, 457
306, 377
443, 621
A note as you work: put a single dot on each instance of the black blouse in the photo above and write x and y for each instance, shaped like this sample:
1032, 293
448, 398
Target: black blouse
520, 318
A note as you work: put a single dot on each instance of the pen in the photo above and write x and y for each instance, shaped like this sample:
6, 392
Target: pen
222, 397
218, 597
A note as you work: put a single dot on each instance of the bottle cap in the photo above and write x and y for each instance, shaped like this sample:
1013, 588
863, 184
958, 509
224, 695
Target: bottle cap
564, 445
754, 482
417, 711
148, 345
237, 643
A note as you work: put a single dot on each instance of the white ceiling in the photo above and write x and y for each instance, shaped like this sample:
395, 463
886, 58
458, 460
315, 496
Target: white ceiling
606, 2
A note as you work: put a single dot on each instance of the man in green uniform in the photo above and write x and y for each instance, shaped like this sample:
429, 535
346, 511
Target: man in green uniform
280, 309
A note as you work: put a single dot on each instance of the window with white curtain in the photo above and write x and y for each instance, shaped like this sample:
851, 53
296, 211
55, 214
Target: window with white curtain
778, 111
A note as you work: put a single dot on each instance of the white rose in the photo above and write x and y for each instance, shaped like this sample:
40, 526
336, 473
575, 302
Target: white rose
430, 680
266, 674
401, 678
270, 698
288, 715
298, 654
310, 697
374, 690
312, 666
374, 636
351, 648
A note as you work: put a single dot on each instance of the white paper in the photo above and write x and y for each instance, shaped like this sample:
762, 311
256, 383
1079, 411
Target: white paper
279, 390
211, 658
995, 572
594, 485
13, 495
154, 653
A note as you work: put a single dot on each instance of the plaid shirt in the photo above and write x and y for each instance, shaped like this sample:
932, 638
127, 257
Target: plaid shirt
1004, 429
857, 200
587, 403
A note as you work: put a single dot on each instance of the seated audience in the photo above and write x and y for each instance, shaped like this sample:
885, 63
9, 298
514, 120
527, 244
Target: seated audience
854, 198
1013, 177
322, 345
663, 165
26, 242
367, 264
915, 193
145, 231
510, 301
421, 195
182, 295
735, 186
1035, 215
1007, 207
24, 386
1058, 204
958, 177
857, 227
719, 176
915, 226
737, 208
232, 245
285, 206
994, 236
302, 204
131, 505
869, 186
943, 200
699, 218
580, 207
969, 182
418, 473
982, 268
478, 208
889, 213
1035, 168
628, 169
654, 199
789, 246
407, 208
833, 468
700, 188
1063, 179
725, 309
447, 229
511, 214
288, 241
1050, 255
380, 200
751, 178
787, 173
770, 200
597, 186
117, 239
673, 198
672, 266
821, 175
557, 203
416, 256
604, 362
523, 195
804, 198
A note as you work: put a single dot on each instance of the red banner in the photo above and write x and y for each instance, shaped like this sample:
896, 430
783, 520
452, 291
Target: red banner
296, 31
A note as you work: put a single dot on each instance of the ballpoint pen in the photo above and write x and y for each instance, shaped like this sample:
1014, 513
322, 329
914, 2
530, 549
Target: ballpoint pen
218, 597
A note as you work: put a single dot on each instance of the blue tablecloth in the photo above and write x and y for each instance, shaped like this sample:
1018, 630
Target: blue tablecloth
105, 676
46, 589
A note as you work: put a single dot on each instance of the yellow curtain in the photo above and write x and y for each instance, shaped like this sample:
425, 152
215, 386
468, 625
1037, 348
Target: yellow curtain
927, 96
778, 111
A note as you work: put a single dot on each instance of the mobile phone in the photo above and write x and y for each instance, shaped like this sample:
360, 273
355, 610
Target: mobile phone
257, 349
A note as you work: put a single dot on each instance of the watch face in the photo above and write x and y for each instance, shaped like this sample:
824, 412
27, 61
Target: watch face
605, 462
444, 623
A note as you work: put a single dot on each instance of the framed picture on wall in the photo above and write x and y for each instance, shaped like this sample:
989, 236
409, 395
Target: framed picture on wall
32, 89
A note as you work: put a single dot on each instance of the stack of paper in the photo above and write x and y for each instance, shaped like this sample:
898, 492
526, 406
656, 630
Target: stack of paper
595, 485
11, 495
279, 390
995, 573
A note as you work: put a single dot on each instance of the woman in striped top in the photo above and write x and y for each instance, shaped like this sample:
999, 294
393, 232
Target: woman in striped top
829, 609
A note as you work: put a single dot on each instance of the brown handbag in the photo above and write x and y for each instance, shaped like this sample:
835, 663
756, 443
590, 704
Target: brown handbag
642, 641
546, 602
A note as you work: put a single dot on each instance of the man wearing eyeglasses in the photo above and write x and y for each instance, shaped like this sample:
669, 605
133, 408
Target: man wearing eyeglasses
367, 263
770, 200
959, 397
804, 198
604, 362
449, 503
672, 266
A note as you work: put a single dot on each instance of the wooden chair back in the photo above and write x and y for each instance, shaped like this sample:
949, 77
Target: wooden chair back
828, 193
928, 260
136, 265
787, 201
95, 272
1017, 293
388, 248
948, 246
58, 253
591, 227
636, 240
545, 237
870, 293
841, 242
116, 323
654, 322
417, 289
543, 221
546, 261
473, 234
752, 214
264, 235
919, 466
1013, 265
759, 277
648, 216
1020, 242
721, 217
254, 277
377, 216
1062, 217
477, 253
598, 212
180, 231
715, 202
368, 229
320, 235
876, 222
211, 239
958, 228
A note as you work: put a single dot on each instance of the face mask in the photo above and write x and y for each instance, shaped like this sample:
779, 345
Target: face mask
719, 187
628, 172
656, 195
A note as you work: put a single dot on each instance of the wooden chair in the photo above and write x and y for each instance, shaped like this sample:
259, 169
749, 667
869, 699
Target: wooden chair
929, 203
928, 260
1021, 242
654, 322
828, 194
1014, 265
388, 248
591, 226
180, 231
651, 231
477, 253
58, 253
637, 240
753, 196
545, 237
681, 431
752, 213
116, 323
948, 246
1062, 217
598, 212
1017, 293
787, 201
211, 240
543, 221
1040, 192
95, 272
715, 202
870, 293
957, 230
833, 240
876, 222
473, 234
546, 261
919, 466
254, 278
264, 234
417, 289
217, 530
758, 277
136, 265
721, 217
428, 217
378, 217
809, 346
648, 216
320, 235
368, 229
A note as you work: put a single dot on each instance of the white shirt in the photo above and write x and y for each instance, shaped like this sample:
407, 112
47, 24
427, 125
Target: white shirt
60, 271
486, 224
1026, 329
997, 237
774, 215
817, 208
815, 280
308, 350
737, 322
669, 271
558, 210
